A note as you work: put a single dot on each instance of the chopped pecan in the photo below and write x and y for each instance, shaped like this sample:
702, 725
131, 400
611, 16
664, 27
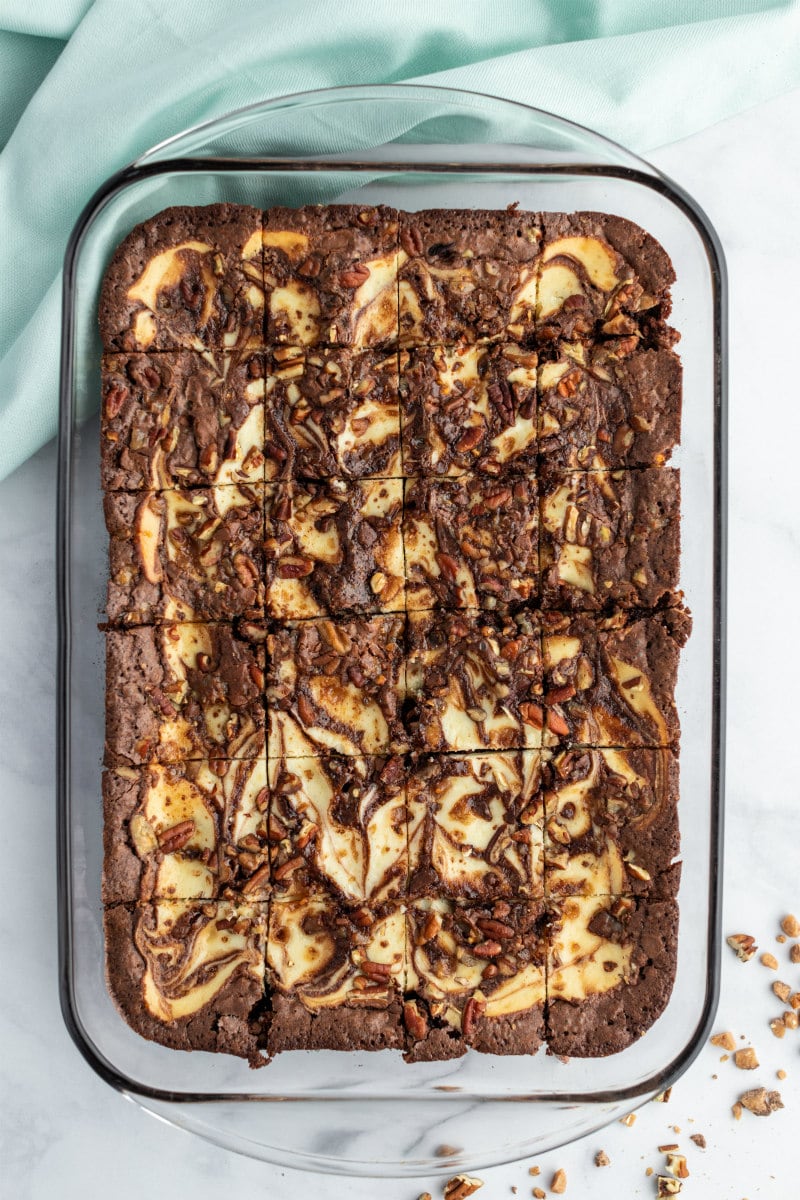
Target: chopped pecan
743, 944
473, 1009
176, 837
760, 1102
461, 1186
415, 1022
354, 277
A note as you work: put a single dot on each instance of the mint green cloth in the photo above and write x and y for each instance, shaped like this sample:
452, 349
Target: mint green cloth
86, 87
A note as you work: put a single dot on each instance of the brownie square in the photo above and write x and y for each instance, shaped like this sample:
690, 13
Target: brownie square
596, 410
611, 682
190, 974
609, 537
176, 693
181, 420
331, 275
611, 967
339, 824
475, 977
332, 412
474, 681
334, 547
475, 826
185, 554
468, 408
188, 278
336, 687
336, 975
611, 822
471, 542
186, 831
466, 275
602, 277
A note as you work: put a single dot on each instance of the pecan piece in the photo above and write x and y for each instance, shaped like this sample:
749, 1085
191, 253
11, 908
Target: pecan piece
115, 398
411, 241
473, 1009
354, 277
760, 1102
176, 837
461, 1186
415, 1021
379, 972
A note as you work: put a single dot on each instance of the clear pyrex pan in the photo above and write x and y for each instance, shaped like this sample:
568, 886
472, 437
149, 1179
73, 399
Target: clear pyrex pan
414, 148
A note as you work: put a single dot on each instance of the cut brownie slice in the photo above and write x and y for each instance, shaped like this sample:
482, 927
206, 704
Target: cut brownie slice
334, 547
474, 681
611, 682
336, 687
475, 826
179, 420
611, 967
597, 410
184, 555
188, 278
336, 975
611, 822
331, 275
609, 537
190, 974
475, 977
190, 831
468, 408
467, 274
602, 276
471, 542
332, 412
339, 824
183, 692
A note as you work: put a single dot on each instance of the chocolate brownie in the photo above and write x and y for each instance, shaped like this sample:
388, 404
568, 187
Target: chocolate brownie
596, 410
331, 275
186, 831
611, 967
332, 412
475, 826
611, 822
602, 277
334, 547
336, 975
339, 824
471, 542
393, 630
466, 275
609, 538
183, 555
190, 974
188, 278
611, 682
336, 687
176, 693
468, 408
473, 681
181, 420
475, 977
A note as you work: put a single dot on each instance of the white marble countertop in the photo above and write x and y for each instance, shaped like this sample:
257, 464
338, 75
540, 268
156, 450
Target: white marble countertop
68, 1135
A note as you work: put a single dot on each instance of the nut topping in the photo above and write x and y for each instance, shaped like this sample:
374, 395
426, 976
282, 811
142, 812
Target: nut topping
743, 944
761, 1102
461, 1186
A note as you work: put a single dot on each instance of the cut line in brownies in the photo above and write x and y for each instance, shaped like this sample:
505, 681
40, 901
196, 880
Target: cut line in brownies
393, 630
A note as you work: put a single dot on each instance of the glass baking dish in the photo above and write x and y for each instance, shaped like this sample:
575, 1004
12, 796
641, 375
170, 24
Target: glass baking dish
414, 147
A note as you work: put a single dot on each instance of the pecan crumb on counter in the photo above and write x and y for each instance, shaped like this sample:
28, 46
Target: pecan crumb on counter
461, 1186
